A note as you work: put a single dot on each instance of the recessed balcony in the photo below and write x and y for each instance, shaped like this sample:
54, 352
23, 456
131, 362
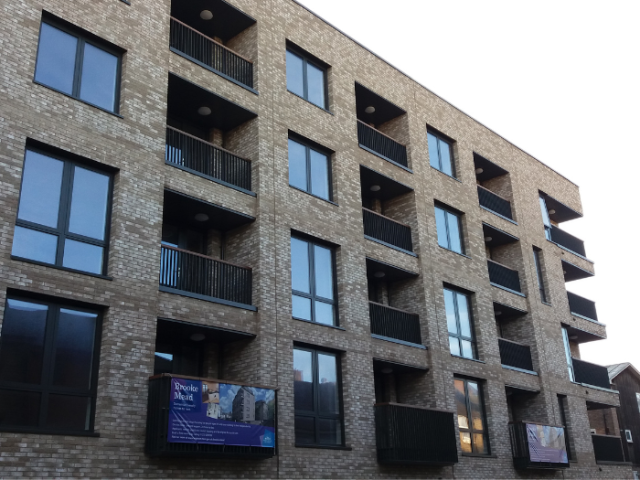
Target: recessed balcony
201, 28
590, 374
515, 355
503, 276
566, 241
394, 323
582, 307
494, 187
494, 202
608, 449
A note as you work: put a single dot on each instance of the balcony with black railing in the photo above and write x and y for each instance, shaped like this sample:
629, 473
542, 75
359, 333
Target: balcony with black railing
211, 54
590, 374
410, 435
514, 354
199, 156
552, 455
495, 203
381, 144
503, 276
608, 449
182, 271
567, 241
582, 307
394, 323
385, 230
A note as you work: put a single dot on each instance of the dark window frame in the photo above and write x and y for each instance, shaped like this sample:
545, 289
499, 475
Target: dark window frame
64, 210
307, 59
314, 414
458, 215
471, 430
459, 336
53, 314
537, 259
84, 37
563, 406
443, 138
311, 242
311, 145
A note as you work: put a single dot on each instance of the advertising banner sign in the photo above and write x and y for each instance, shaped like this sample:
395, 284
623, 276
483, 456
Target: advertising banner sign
546, 444
221, 414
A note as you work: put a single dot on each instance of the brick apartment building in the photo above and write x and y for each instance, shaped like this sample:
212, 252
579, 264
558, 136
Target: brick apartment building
238, 191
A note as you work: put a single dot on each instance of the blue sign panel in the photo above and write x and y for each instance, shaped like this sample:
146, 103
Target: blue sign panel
221, 414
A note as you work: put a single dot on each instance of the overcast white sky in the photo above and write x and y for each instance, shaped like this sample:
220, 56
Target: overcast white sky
560, 79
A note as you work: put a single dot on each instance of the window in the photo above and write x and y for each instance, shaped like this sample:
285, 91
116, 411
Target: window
628, 436
567, 353
306, 78
318, 419
449, 230
48, 367
72, 63
545, 217
461, 341
440, 155
471, 417
309, 169
312, 282
63, 214
638, 399
537, 254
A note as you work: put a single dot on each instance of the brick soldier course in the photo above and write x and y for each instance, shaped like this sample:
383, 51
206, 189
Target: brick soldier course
131, 146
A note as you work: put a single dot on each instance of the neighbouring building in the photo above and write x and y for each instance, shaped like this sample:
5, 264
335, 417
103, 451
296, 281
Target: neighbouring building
240, 192
626, 379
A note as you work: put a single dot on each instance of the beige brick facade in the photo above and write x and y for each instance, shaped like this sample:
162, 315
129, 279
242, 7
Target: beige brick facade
133, 142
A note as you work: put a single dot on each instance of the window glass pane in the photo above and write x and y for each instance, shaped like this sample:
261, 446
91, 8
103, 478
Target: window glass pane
300, 265
455, 237
73, 355
545, 213
441, 227
38, 246
99, 74
323, 313
477, 420
301, 307
329, 432
467, 349
163, 363
41, 184
323, 265
305, 430
454, 346
449, 306
479, 445
82, 256
303, 380
89, 203
319, 174
434, 158
465, 442
328, 384
19, 409
445, 157
68, 413
315, 85
22, 342
56, 59
294, 74
638, 399
461, 404
463, 315
297, 165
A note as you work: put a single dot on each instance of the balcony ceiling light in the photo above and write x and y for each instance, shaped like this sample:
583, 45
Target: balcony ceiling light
498, 312
375, 188
488, 239
479, 171
552, 212
201, 217
573, 337
387, 370
204, 111
379, 274
197, 337
206, 15
370, 109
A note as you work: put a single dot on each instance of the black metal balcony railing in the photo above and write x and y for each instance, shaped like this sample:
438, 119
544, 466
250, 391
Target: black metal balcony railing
393, 323
382, 144
522, 451
504, 276
210, 53
582, 306
608, 448
513, 354
208, 159
567, 241
194, 273
406, 434
386, 230
590, 374
495, 203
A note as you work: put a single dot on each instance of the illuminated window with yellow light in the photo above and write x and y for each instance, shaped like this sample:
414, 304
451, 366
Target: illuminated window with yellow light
471, 418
